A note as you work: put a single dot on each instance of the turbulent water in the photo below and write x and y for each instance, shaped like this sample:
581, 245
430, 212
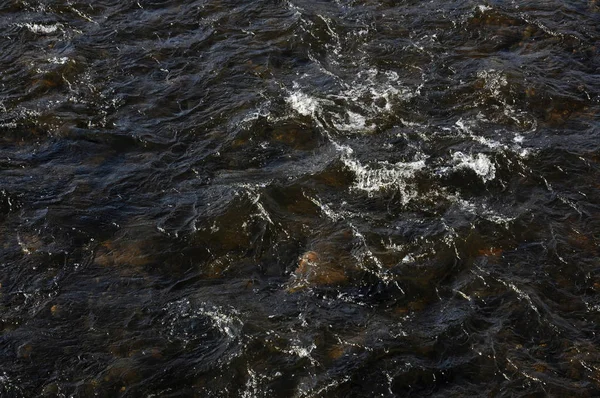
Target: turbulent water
299, 198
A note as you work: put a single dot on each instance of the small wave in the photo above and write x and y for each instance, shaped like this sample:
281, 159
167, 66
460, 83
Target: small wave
189, 323
356, 106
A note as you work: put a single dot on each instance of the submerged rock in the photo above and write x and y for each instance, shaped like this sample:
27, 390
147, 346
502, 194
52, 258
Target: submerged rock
312, 270
117, 253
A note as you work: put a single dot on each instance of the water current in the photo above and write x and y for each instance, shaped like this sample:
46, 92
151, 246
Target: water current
270, 198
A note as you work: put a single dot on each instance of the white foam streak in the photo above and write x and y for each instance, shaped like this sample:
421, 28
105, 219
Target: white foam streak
326, 209
41, 29
372, 94
464, 128
385, 175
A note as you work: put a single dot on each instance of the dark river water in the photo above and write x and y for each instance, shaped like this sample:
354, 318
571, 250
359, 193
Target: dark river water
299, 198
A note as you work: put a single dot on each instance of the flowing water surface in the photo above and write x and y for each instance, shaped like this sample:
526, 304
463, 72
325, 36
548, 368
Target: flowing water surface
270, 198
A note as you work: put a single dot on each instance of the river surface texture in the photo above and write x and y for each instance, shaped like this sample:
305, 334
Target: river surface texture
299, 198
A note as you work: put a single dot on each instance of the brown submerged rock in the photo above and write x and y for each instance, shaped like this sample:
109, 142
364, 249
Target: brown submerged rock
312, 270
122, 252
55, 310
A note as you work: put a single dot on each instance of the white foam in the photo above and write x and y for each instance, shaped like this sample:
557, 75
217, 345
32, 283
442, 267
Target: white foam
481, 210
480, 164
382, 175
303, 103
41, 29
408, 259
385, 175
262, 212
493, 81
226, 324
371, 94
465, 129
326, 209
366, 254
518, 139
393, 246
262, 111
58, 61
352, 122
372, 87
183, 313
